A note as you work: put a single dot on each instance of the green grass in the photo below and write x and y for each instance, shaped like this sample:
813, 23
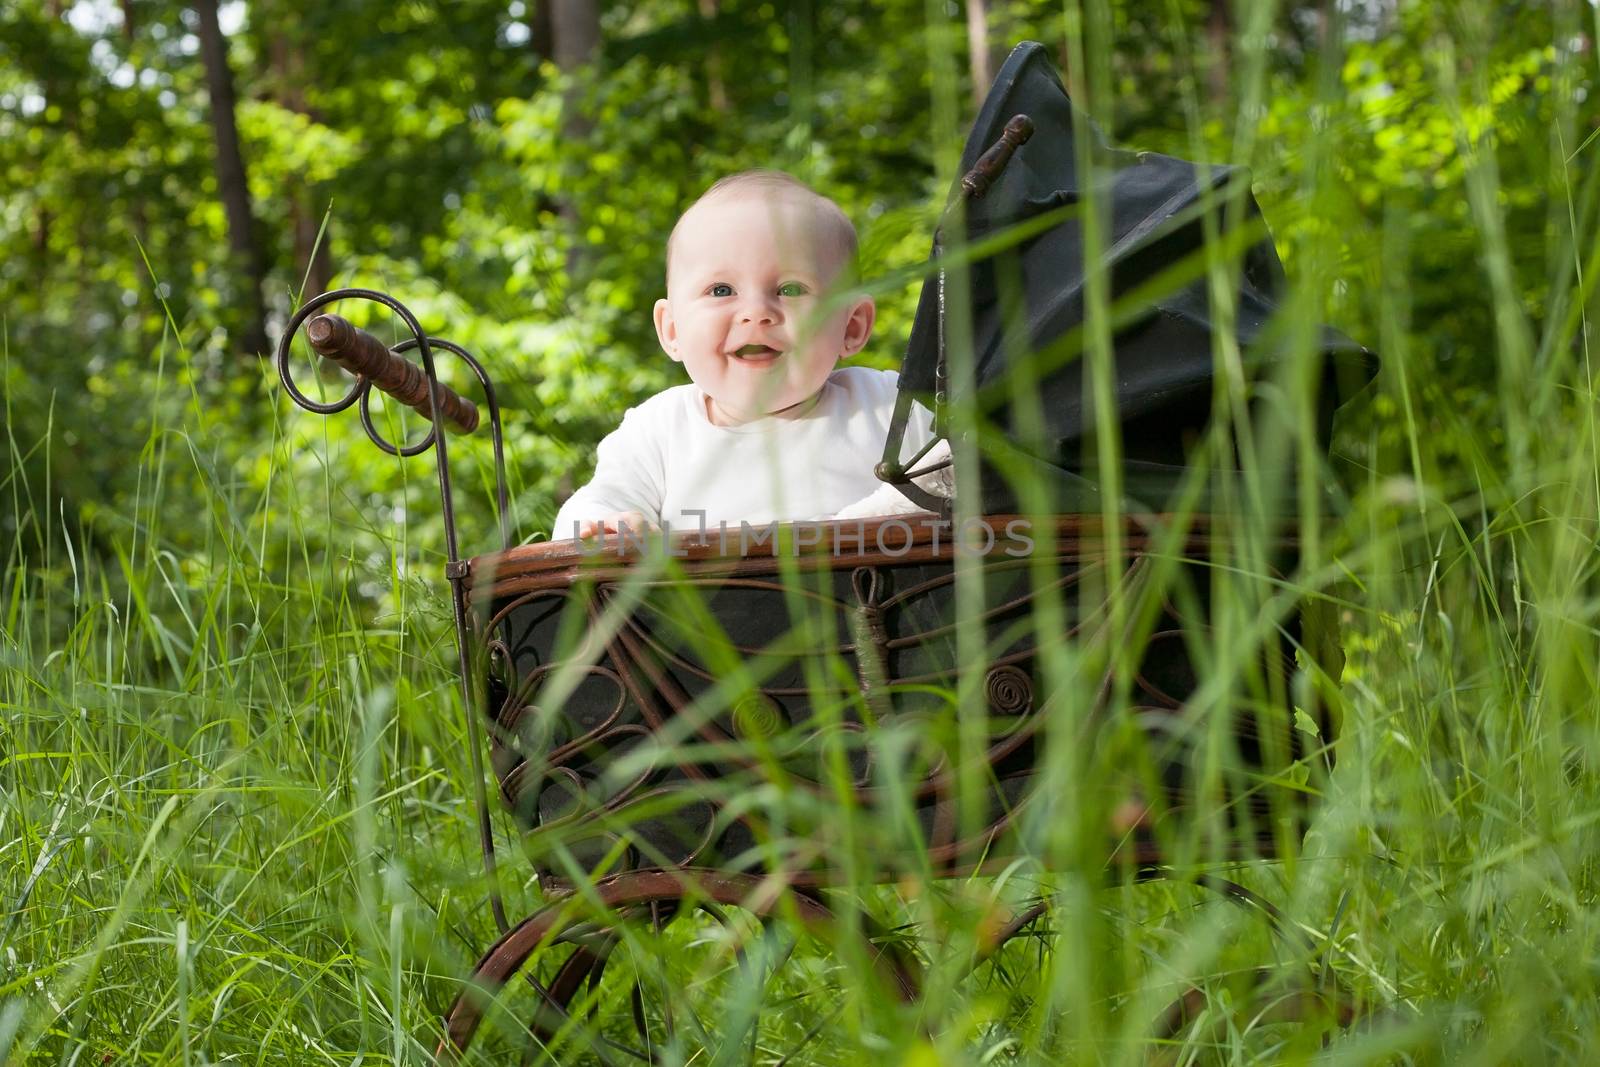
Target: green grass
235, 818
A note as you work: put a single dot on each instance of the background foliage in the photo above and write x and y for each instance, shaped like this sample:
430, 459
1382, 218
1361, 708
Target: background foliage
220, 623
432, 142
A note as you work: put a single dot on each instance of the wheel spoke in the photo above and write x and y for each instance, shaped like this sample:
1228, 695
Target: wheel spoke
636, 999
710, 991
585, 967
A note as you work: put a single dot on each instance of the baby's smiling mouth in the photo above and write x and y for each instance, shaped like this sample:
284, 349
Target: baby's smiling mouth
757, 353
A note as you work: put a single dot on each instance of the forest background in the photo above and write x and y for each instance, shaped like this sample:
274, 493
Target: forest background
206, 596
510, 172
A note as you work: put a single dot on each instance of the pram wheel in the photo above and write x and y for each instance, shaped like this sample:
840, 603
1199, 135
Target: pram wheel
1307, 991
671, 967
991, 953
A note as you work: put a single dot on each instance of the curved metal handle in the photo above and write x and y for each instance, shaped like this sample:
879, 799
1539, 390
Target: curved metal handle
360, 353
976, 182
374, 363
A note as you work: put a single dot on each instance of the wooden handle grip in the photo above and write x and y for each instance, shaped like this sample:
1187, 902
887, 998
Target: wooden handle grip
361, 353
991, 163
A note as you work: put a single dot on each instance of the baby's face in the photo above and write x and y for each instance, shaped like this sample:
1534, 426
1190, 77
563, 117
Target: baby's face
748, 277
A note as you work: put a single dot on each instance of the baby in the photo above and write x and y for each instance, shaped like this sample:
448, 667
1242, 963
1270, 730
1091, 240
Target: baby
771, 429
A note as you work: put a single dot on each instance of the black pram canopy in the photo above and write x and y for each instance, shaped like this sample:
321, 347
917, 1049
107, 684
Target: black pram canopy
1163, 376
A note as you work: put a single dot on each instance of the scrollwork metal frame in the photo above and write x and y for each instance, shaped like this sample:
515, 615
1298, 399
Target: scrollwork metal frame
455, 572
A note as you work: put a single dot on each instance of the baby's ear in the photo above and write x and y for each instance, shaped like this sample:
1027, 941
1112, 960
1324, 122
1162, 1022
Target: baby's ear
858, 326
667, 330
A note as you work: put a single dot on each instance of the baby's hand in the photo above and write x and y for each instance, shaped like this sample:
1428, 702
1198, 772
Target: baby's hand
632, 522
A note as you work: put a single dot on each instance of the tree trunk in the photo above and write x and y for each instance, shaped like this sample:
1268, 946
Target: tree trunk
978, 56
231, 183
575, 32
42, 221
312, 263
716, 88
575, 37
540, 32
1217, 34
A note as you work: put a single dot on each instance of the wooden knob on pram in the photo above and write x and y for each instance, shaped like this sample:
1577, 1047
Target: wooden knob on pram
991, 163
358, 352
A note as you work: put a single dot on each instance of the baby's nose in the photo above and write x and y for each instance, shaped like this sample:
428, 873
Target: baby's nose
761, 310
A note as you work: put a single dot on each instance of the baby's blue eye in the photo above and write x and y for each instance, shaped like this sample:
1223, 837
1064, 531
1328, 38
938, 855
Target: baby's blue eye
721, 289
791, 289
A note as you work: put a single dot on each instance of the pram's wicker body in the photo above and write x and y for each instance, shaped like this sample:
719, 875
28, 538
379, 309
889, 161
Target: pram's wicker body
877, 601
883, 592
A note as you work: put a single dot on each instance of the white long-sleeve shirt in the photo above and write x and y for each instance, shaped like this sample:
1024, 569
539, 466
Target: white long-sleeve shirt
669, 463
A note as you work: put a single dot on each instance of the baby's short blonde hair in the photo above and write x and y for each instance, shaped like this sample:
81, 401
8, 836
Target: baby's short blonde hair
833, 223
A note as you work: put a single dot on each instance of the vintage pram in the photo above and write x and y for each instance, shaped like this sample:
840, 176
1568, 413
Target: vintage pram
644, 701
